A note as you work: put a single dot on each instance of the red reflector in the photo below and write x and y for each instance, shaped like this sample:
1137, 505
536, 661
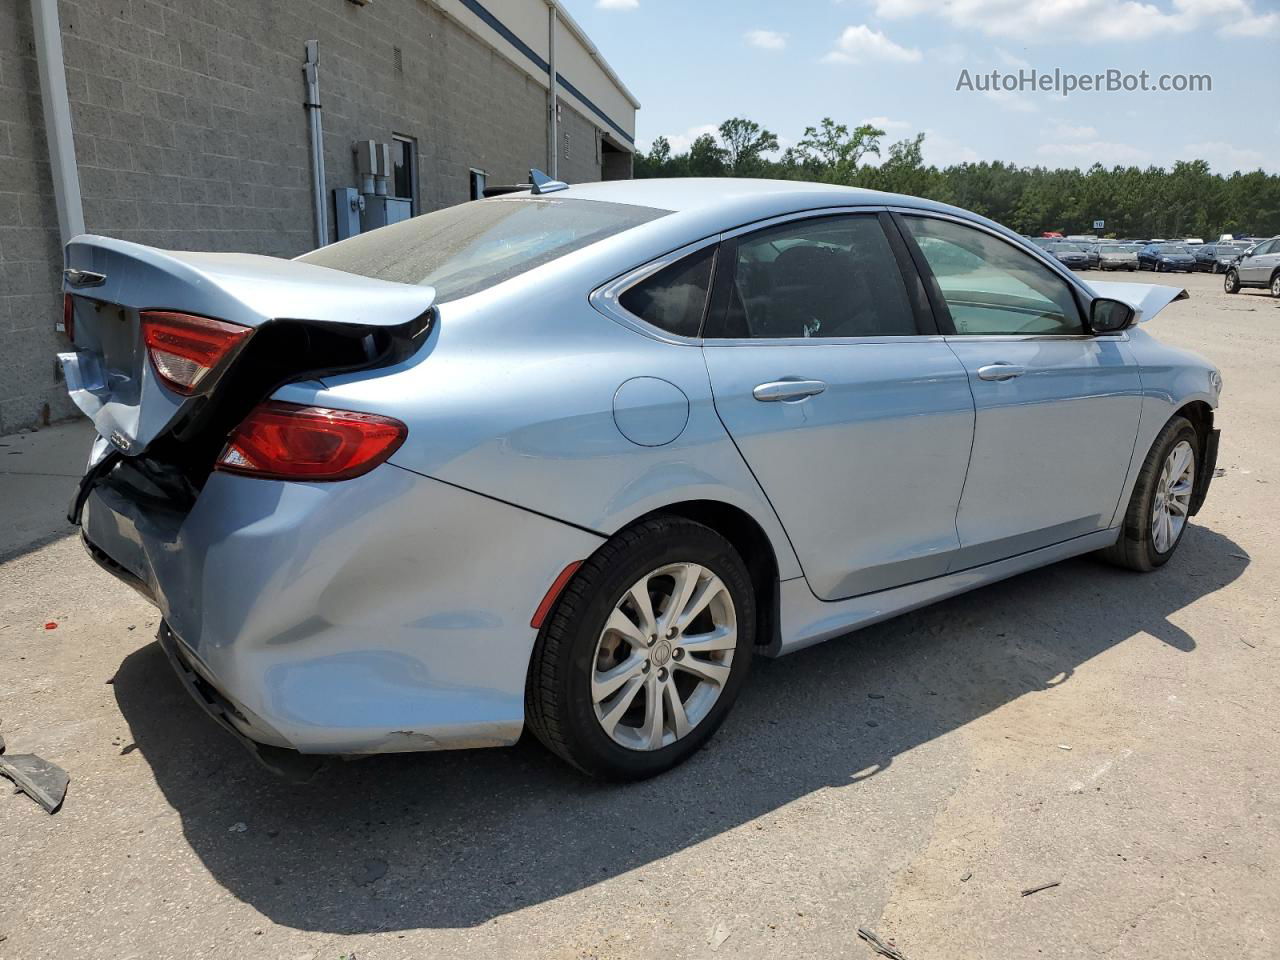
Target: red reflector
68, 317
183, 348
287, 441
553, 594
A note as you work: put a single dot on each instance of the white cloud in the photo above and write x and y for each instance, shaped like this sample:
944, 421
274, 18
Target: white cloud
1088, 20
1065, 131
860, 44
680, 142
1086, 154
1222, 157
1256, 25
617, 4
942, 151
766, 39
888, 125
1009, 100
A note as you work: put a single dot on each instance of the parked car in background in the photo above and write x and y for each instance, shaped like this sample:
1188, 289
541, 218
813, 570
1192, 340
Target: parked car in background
1119, 256
1217, 257
1257, 267
1166, 258
1092, 252
1071, 254
567, 462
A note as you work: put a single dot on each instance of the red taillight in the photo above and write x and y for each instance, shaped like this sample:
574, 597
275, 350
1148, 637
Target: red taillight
286, 441
183, 348
68, 317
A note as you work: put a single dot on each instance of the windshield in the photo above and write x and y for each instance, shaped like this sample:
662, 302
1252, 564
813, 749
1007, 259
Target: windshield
1172, 248
464, 249
1122, 248
1067, 248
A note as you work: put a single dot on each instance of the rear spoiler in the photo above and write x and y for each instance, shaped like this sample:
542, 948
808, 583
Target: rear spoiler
1147, 299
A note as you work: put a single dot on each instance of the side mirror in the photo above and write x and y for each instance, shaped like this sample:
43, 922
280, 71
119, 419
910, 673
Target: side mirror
1109, 316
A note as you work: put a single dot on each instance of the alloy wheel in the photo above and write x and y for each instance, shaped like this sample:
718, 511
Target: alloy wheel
1172, 503
1275, 286
664, 656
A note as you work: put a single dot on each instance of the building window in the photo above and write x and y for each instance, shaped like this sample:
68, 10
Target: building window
478, 179
404, 170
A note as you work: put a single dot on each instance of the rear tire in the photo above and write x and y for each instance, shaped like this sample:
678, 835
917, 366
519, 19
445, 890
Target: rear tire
1231, 282
680, 680
1275, 285
1163, 480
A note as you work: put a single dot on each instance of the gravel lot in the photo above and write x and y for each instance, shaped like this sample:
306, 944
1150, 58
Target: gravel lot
1113, 732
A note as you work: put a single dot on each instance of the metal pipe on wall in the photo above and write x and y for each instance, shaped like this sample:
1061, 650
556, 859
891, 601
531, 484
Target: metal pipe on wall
57, 118
310, 70
553, 149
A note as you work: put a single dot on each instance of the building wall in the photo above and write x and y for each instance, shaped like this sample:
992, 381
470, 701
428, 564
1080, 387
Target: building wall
190, 134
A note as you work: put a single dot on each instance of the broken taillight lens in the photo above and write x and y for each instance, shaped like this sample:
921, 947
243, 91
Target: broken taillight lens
184, 349
287, 441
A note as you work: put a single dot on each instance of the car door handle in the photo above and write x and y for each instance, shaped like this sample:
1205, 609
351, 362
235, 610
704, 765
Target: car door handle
1000, 371
788, 391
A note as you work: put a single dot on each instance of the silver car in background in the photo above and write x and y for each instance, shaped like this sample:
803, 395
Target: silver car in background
1259, 266
568, 459
1119, 256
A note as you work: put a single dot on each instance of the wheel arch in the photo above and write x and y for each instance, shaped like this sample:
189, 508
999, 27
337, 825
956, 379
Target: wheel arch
1200, 414
748, 537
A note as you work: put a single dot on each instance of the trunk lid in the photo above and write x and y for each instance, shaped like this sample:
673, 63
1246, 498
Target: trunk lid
305, 321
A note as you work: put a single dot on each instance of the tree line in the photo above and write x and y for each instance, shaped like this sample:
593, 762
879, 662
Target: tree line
1185, 201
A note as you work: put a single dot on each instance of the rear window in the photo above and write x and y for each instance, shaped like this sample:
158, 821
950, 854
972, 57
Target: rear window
464, 249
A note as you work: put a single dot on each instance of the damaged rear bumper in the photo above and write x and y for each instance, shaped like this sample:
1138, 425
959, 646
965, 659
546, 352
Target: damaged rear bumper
388, 613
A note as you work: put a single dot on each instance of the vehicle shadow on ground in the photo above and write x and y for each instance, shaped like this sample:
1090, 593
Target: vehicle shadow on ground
456, 839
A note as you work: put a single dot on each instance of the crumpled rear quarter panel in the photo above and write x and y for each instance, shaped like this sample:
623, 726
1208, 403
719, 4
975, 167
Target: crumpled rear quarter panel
390, 612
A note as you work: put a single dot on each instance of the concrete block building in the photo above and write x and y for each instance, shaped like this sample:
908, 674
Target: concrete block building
184, 126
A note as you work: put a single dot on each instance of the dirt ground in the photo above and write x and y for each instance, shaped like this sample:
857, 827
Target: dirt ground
1112, 732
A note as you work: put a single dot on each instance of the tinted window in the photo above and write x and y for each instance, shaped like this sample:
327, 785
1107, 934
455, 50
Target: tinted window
831, 277
1264, 248
461, 250
990, 286
675, 297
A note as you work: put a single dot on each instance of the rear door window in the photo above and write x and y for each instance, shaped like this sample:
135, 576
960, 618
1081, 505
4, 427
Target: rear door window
464, 249
826, 277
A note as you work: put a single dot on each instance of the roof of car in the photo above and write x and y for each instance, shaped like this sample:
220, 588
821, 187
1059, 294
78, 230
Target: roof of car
702, 193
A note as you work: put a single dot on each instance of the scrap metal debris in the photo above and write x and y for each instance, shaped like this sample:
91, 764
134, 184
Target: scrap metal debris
42, 781
879, 946
1044, 886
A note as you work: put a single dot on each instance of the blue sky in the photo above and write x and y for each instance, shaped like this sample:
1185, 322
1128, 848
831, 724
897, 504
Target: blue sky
789, 63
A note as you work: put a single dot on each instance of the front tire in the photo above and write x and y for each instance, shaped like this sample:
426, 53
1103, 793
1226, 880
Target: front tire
1160, 508
1231, 282
1275, 286
645, 651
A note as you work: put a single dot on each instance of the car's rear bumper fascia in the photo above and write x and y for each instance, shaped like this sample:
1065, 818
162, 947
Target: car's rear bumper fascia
388, 613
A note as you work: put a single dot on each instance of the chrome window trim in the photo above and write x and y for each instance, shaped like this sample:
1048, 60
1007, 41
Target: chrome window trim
1021, 337
822, 341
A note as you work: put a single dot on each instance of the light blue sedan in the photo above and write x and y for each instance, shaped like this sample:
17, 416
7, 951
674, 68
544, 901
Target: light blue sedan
568, 459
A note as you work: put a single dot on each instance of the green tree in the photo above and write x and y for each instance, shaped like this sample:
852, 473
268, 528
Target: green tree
745, 143
707, 158
831, 152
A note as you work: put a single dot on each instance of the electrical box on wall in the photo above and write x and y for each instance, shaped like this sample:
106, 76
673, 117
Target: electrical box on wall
380, 211
358, 210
